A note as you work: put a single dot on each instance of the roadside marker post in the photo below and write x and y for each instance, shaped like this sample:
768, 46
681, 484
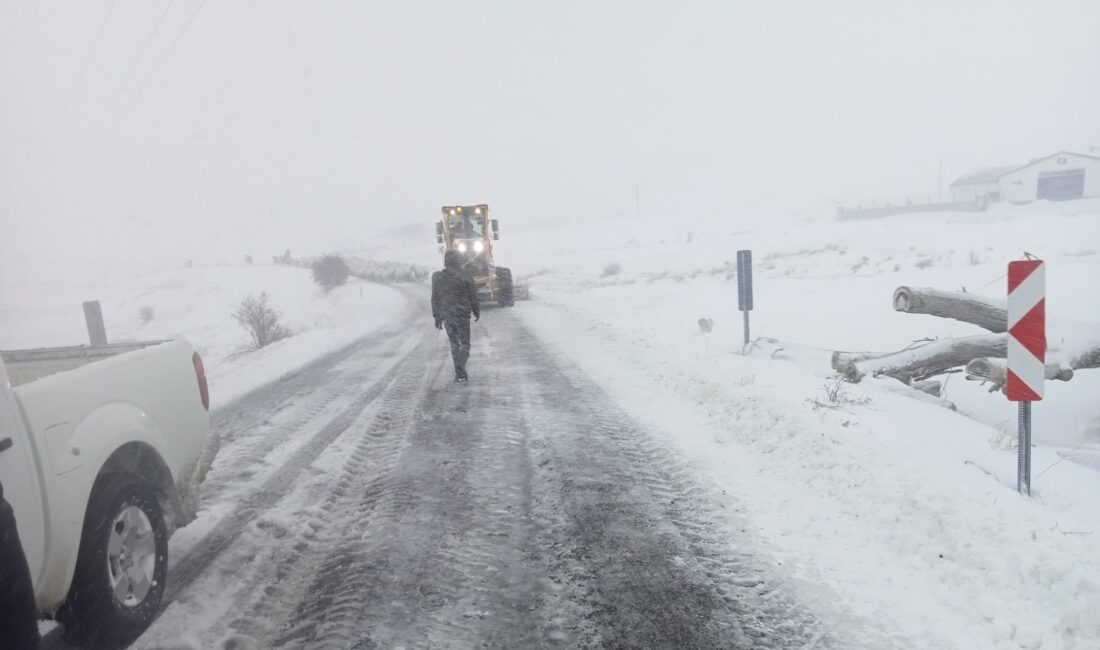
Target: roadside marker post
1027, 345
93, 317
744, 289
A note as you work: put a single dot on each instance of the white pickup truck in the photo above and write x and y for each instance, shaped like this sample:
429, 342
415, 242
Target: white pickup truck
101, 464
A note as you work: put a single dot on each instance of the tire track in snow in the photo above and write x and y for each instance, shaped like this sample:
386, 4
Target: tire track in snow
274, 488
372, 454
447, 552
250, 454
371, 555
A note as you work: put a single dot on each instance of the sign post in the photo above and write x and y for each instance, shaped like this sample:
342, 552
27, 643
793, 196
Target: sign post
744, 289
1027, 345
93, 317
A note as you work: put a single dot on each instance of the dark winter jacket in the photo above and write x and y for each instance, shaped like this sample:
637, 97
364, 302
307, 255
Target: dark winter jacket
454, 295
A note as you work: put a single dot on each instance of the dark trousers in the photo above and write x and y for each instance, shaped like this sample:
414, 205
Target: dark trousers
18, 613
458, 331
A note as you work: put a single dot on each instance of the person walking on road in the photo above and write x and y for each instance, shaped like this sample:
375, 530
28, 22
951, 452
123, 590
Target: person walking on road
454, 299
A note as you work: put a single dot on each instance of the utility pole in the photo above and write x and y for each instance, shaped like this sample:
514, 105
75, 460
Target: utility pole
939, 185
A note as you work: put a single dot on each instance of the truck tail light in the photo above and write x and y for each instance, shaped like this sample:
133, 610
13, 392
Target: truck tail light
200, 375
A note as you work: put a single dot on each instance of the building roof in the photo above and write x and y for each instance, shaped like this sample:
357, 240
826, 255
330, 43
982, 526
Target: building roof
1056, 153
993, 174
983, 176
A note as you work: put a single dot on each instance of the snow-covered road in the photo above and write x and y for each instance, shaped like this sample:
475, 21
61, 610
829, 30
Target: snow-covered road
369, 502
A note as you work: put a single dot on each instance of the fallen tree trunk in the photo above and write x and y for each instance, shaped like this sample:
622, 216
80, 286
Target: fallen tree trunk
986, 313
928, 360
1088, 359
995, 371
1074, 346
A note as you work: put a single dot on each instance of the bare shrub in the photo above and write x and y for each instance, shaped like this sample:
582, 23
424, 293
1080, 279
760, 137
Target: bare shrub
611, 270
146, 313
837, 397
1003, 439
973, 259
330, 271
260, 320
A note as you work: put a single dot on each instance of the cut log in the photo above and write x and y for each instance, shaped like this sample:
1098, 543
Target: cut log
986, 313
840, 359
928, 360
1087, 359
995, 371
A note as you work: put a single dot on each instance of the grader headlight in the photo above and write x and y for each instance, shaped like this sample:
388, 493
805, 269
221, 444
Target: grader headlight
479, 246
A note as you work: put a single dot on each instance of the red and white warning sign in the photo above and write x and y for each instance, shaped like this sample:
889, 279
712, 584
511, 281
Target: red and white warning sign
1027, 335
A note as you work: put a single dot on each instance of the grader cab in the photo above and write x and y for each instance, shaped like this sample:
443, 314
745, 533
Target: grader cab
468, 230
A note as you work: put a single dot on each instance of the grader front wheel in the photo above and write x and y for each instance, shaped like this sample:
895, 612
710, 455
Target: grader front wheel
505, 294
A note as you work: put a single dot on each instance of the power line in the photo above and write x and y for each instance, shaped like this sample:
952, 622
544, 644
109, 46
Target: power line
88, 58
141, 52
113, 102
171, 47
90, 142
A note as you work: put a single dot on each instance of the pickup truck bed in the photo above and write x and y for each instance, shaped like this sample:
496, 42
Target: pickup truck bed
25, 366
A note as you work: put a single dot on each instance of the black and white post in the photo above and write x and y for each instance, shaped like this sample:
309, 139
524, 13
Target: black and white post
744, 289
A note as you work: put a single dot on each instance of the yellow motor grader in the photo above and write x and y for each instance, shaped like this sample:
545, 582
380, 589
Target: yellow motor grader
469, 230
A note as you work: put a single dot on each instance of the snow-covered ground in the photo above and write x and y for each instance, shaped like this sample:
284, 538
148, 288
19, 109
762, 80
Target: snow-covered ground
197, 303
898, 517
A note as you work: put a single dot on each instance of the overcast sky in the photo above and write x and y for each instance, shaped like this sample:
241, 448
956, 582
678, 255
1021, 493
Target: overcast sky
338, 116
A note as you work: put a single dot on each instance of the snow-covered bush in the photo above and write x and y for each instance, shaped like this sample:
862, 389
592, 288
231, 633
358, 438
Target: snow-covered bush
146, 314
260, 320
611, 269
330, 271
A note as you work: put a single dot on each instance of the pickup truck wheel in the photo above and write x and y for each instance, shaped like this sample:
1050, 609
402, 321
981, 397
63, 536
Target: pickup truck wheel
122, 566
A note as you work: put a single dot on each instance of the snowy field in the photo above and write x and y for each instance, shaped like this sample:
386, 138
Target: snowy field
899, 517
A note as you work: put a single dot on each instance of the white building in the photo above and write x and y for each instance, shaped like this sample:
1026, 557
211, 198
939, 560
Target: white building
1058, 177
1061, 176
982, 187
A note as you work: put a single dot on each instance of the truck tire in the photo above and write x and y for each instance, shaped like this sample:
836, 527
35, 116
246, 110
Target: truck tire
505, 294
122, 565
